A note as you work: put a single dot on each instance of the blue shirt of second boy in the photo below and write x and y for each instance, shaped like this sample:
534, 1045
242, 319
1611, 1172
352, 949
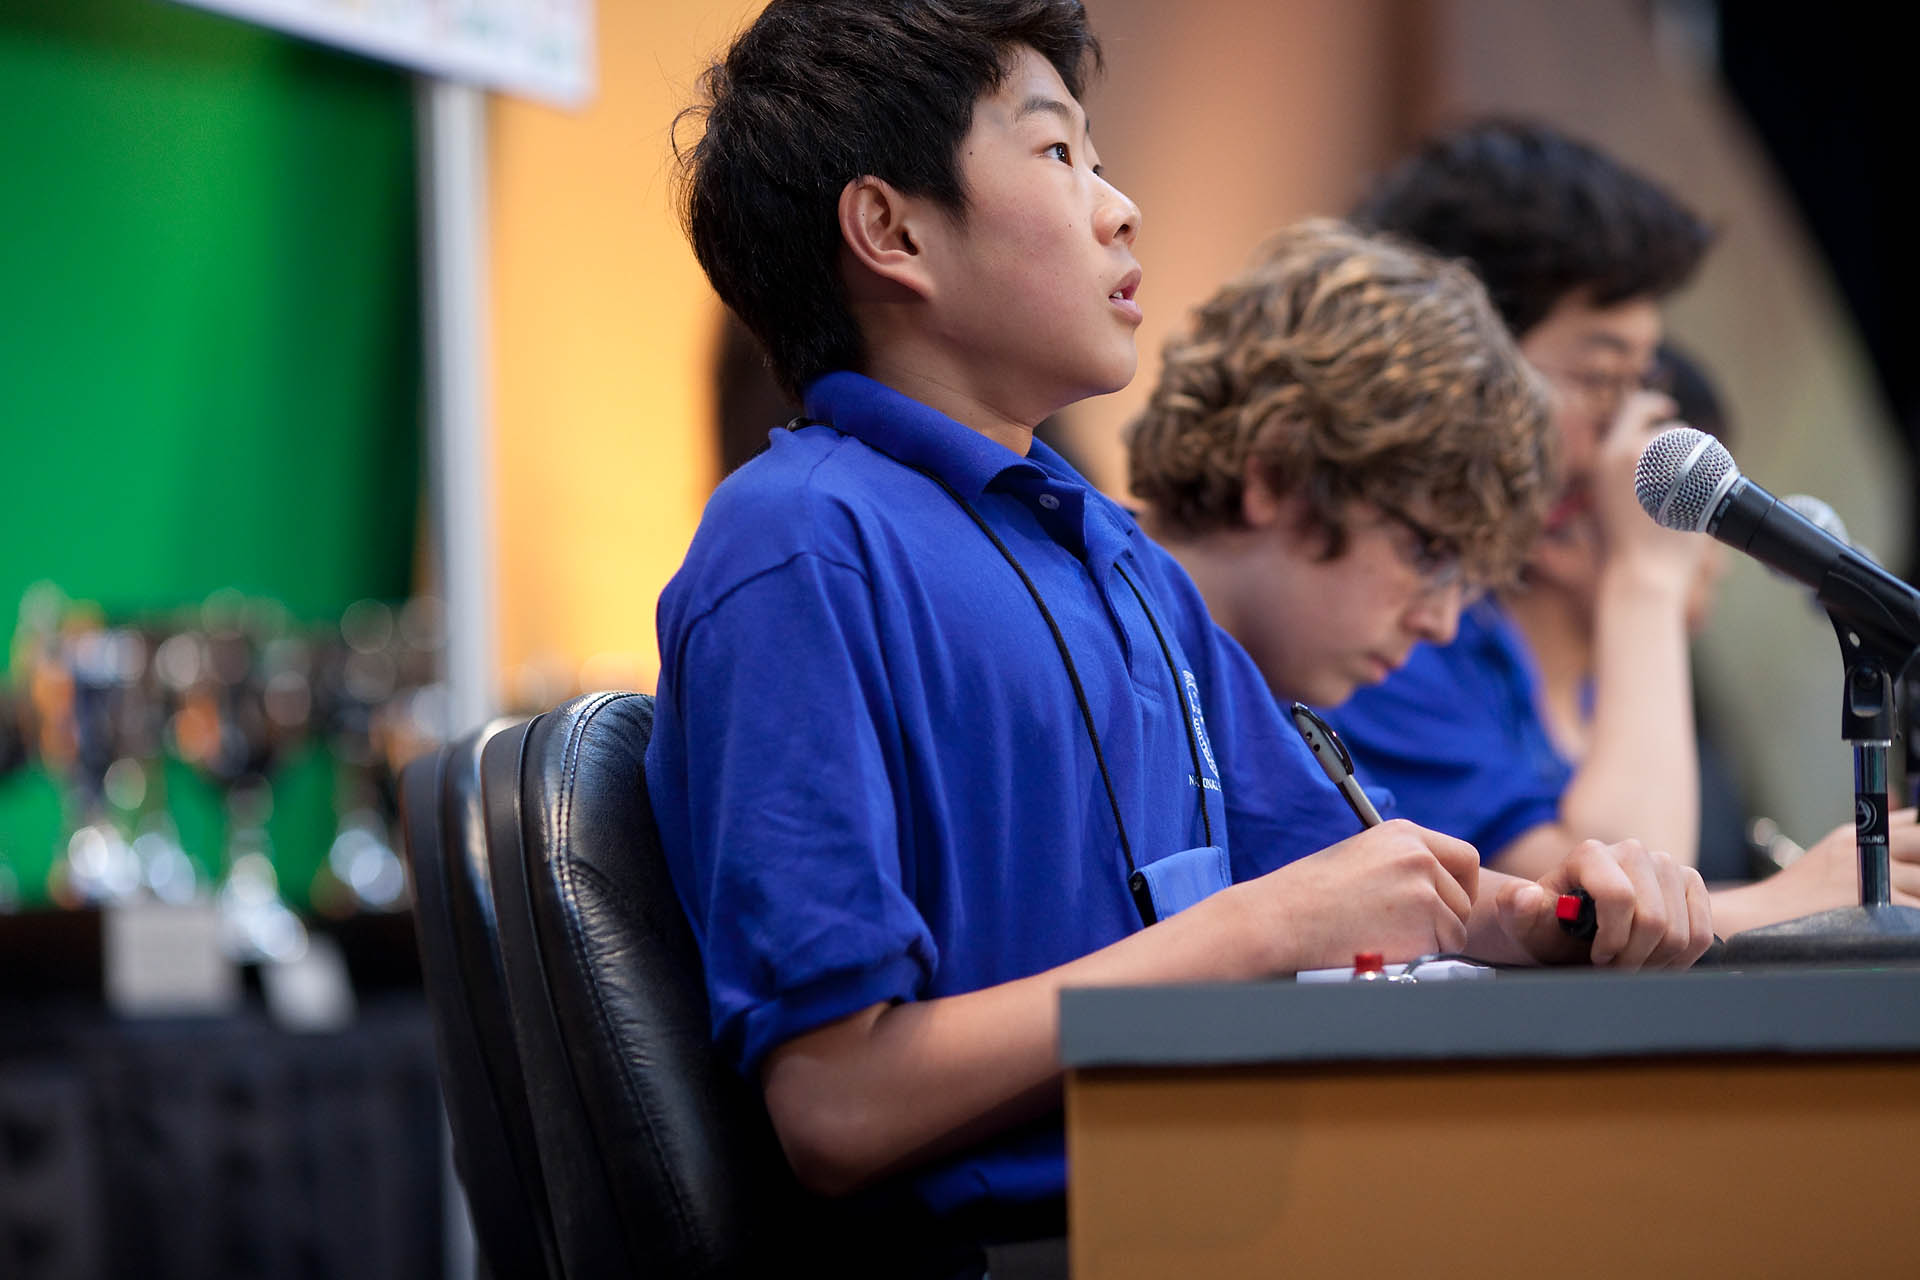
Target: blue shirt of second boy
1456, 735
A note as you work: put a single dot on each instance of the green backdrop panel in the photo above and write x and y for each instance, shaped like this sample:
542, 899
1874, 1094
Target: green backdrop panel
209, 350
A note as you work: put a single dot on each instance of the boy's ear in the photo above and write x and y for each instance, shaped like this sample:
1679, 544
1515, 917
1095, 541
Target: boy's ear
1265, 508
881, 230
1260, 506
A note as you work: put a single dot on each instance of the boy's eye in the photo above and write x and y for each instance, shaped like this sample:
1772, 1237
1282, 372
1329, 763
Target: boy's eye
1428, 554
1060, 152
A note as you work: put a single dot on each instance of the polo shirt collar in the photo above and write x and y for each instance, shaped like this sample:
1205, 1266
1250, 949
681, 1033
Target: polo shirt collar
910, 432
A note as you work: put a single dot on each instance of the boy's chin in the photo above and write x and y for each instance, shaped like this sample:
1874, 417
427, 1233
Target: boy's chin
1331, 690
1112, 380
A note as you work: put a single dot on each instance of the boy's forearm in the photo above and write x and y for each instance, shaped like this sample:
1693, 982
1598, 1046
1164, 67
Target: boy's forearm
1825, 876
895, 1086
1640, 775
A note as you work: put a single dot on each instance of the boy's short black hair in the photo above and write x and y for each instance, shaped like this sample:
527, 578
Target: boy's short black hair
817, 93
1539, 216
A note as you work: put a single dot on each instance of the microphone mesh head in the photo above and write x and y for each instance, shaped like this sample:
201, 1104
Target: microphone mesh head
1682, 474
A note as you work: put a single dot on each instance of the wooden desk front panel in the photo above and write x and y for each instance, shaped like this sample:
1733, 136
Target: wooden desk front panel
1797, 1167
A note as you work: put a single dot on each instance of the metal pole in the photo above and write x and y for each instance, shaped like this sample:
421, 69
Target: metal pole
453, 180
1870, 826
450, 126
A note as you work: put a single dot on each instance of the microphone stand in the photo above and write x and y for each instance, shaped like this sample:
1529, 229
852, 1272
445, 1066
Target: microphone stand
1876, 930
1907, 784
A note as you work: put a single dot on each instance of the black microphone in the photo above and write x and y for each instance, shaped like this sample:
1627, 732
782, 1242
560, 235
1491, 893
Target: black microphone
1687, 480
1824, 518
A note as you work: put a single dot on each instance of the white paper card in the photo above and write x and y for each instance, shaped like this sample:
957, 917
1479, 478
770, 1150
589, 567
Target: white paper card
1429, 971
165, 960
312, 993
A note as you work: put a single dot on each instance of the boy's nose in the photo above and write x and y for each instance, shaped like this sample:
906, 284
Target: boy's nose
1435, 616
1119, 216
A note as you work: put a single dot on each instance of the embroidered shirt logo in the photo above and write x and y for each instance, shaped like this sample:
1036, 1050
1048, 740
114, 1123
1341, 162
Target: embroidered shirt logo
1199, 725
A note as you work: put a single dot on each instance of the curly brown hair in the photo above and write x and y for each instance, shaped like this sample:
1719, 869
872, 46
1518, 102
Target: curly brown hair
1351, 368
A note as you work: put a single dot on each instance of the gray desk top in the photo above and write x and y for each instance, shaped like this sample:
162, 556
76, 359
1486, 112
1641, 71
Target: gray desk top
1519, 1015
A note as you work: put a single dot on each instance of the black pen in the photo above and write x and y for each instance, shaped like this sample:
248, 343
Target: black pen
1332, 755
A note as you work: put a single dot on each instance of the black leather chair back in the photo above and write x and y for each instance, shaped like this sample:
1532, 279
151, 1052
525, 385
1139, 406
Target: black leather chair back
480, 1077
659, 1159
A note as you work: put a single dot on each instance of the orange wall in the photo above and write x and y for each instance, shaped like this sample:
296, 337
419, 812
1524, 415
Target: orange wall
1224, 120
603, 337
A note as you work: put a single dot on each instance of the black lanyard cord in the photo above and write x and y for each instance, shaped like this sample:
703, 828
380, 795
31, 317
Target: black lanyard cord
1136, 882
1079, 690
1066, 657
1180, 691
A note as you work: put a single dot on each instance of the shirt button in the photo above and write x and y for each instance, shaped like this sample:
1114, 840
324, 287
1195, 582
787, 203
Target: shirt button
1050, 502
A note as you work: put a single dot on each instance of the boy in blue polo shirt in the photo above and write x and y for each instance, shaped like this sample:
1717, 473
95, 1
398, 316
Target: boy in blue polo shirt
939, 731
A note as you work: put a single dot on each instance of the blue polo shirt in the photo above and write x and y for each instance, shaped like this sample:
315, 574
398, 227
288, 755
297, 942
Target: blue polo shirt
869, 765
1456, 735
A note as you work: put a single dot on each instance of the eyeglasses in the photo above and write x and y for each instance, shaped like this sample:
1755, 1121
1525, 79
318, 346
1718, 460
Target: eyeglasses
1603, 391
1434, 558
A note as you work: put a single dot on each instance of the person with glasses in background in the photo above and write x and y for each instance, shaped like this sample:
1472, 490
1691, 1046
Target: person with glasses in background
1343, 451
1347, 454
1563, 708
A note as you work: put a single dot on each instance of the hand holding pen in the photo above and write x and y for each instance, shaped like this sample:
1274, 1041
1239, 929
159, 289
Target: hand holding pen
1574, 910
1630, 879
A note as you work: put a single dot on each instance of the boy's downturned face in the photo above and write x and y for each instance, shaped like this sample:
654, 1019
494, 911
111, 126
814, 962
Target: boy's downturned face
1035, 287
1319, 629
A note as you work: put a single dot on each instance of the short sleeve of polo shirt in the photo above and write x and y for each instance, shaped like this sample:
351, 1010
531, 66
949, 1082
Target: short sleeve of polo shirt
796, 896
1456, 736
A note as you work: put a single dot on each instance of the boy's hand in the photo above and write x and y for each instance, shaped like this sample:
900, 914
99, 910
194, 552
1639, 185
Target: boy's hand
1397, 888
1835, 860
1625, 527
1652, 912
1828, 874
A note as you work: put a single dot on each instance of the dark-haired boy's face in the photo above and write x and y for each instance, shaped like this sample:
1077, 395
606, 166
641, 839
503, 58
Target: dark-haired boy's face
1034, 287
1593, 359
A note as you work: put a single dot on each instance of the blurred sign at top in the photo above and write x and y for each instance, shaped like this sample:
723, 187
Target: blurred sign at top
535, 48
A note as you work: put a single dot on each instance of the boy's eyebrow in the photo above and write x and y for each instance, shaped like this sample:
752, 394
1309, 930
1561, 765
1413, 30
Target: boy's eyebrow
1040, 103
